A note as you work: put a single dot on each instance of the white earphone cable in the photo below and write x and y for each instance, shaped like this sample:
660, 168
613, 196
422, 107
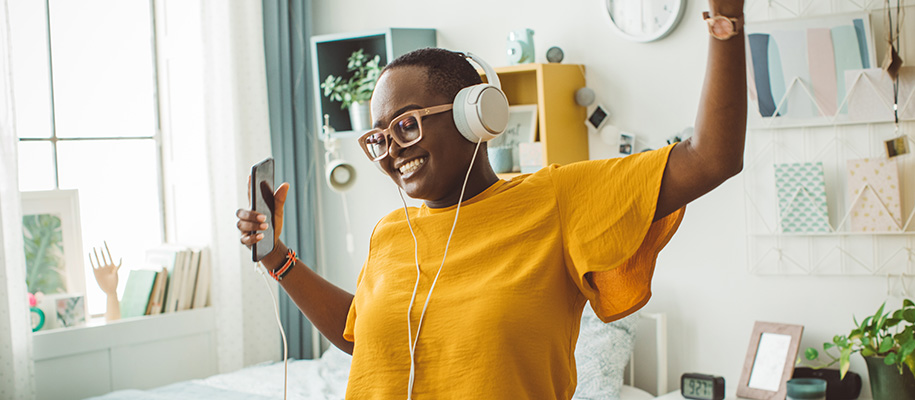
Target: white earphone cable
276, 309
412, 341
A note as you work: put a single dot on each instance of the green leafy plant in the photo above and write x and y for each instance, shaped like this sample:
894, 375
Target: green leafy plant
43, 242
889, 335
358, 88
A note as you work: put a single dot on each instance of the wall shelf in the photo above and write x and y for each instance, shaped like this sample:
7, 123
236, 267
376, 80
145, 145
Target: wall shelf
329, 54
842, 252
560, 121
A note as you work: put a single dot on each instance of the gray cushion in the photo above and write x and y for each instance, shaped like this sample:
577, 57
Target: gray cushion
601, 355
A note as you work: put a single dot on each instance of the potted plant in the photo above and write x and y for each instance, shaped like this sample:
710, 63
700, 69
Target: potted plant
356, 91
887, 343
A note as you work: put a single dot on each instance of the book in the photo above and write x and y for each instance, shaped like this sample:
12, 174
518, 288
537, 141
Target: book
186, 297
176, 287
170, 257
202, 291
157, 296
137, 292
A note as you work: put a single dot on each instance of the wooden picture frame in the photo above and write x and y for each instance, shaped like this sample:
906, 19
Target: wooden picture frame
770, 360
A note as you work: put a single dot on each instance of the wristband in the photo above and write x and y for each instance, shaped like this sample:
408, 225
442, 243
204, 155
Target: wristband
284, 269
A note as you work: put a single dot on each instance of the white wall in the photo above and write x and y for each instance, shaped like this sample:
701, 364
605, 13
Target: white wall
702, 279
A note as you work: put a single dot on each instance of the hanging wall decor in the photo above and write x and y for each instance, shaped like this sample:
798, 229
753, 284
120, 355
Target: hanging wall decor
873, 187
798, 68
801, 190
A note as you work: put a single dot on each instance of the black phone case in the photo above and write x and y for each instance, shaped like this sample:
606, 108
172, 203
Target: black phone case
262, 202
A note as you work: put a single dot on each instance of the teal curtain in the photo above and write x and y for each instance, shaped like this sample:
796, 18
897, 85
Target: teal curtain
286, 37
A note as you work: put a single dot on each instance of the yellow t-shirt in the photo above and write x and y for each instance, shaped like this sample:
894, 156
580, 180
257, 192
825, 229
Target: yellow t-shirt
525, 257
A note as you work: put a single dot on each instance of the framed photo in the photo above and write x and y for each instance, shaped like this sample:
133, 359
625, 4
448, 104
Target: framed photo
897, 147
521, 128
627, 141
597, 117
770, 360
52, 241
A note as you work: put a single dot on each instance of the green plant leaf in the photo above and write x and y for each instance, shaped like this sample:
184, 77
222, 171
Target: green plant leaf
885, 345
844, 362
359, 83
827, 345
43, 245
865, 323
908, 303
909, 316
879, 317
811, 354
890, 359
906, 349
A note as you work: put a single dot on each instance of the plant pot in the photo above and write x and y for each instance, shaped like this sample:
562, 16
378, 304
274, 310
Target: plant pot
886, 381
360, 116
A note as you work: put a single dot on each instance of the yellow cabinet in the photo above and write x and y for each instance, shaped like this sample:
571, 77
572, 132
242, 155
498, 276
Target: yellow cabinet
560, 121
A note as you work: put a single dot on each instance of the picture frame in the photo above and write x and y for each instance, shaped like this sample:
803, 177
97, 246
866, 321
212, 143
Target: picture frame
627, 142
597, 117
897, 146
521, 128
769, 362
49, 213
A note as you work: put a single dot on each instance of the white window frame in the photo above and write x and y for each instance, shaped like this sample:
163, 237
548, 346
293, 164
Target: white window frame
157, 131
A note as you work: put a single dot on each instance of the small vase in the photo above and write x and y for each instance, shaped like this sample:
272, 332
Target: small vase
501, 159
886, 381
360, 116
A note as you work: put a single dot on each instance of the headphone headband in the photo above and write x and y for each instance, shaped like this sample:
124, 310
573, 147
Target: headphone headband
491, 75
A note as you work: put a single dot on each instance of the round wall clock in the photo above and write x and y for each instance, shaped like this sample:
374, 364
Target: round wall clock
645, 20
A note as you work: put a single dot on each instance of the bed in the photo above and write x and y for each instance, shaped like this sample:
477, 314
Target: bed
607, 356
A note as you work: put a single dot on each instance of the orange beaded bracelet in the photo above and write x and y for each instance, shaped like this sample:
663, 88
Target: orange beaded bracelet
281, 271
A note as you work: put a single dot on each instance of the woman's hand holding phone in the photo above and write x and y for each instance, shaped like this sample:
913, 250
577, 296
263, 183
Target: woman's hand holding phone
252, 224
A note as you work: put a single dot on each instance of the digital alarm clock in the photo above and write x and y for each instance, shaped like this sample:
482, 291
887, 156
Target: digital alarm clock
701, 386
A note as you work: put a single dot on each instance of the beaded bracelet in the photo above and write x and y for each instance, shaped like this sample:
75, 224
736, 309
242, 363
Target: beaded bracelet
281, 271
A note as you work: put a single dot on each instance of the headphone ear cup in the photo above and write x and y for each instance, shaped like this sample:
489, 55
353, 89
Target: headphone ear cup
480, 112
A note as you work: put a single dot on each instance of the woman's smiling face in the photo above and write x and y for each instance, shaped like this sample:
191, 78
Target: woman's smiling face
433, 168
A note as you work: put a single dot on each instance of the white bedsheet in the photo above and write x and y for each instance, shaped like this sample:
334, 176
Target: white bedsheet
323, 379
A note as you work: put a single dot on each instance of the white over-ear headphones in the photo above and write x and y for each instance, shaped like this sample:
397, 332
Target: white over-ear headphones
481, 111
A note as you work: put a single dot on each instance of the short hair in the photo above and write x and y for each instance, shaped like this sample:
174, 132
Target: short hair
447, 72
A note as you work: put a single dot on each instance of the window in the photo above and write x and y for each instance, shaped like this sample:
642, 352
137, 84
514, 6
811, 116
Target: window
87, 119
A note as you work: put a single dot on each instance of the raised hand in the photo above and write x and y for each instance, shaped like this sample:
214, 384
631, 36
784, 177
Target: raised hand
251, 223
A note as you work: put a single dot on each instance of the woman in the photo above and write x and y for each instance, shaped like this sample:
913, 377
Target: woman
478, 293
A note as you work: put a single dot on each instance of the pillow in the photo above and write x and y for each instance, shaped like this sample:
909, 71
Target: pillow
601, 355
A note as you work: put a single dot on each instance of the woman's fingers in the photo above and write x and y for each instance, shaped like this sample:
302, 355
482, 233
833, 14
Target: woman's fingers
249, 240
251, 226
249, 215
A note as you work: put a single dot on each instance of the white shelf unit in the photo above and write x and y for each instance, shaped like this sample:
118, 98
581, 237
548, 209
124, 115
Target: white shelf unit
841, 252
136, 353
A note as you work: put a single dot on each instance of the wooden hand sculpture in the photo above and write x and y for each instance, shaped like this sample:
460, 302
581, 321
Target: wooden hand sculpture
106, 274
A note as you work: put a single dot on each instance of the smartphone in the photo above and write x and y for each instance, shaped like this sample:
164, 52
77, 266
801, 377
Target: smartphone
262, 202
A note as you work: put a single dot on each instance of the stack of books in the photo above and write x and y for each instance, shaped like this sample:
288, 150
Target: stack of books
179, 280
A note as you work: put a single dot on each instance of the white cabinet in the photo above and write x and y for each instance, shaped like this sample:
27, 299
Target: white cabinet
136, 353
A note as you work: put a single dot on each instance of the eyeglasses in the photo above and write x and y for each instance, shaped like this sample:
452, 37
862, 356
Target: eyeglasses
406, 130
